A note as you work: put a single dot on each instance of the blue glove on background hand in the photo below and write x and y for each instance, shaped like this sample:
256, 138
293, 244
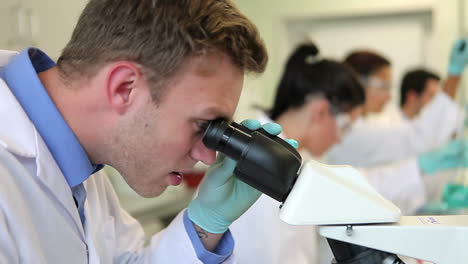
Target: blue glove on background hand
451, 156
222, 198
458, 57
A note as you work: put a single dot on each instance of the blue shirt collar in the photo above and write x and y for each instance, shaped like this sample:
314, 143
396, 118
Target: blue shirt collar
21, 76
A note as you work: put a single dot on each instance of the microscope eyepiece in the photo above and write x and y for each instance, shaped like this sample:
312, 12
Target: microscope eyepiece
230, 139
265, 162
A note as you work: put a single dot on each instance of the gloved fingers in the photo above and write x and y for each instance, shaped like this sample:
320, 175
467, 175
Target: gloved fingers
220, 157
464, 154
458, 45
251, 124
451, 149
246, 193
229, 165
455, 147
292, 142
458, 57
220, 173
272, 128
465, 143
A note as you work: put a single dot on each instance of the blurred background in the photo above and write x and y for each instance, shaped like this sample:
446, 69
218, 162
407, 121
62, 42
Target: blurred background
410, 33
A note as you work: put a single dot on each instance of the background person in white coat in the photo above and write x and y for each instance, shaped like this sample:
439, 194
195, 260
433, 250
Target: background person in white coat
418, 87
134, 88
316, 100
312, 94
375, 74
372, 143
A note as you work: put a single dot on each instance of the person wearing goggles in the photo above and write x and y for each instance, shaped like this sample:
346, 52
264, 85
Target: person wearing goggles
316, 102
377, 138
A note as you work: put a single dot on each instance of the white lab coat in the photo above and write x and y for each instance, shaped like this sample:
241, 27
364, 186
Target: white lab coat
372, 143
39, 222
261, 237
392, 116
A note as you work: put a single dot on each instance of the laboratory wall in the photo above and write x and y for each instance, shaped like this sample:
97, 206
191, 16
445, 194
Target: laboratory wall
46, 24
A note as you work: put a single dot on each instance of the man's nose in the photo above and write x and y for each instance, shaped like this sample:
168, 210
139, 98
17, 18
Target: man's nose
201, 153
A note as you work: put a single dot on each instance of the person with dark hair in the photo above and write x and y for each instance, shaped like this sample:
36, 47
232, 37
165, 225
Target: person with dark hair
375, 74
134, 88
316, 101
418, 87
384, 138
316, 87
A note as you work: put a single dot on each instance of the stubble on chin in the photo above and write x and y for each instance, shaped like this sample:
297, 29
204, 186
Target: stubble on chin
144, 188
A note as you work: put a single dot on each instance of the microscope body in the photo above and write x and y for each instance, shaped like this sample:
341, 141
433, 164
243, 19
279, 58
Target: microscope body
362, 226
346, 208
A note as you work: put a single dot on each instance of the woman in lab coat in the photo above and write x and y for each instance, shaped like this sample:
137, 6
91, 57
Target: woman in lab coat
316, 102
374, 140
316, 99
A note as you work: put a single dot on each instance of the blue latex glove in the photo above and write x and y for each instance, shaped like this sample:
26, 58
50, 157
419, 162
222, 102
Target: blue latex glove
222, 198
451, 156
458, 57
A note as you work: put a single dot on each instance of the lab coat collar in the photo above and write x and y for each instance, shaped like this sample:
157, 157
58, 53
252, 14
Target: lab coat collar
19, 136
16, 131
21, 76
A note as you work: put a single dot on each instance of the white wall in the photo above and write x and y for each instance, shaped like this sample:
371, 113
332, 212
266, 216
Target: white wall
57, 18
51, 23
406, 39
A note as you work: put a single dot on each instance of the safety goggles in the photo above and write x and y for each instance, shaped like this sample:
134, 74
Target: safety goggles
375, 83
342, 119
344, 123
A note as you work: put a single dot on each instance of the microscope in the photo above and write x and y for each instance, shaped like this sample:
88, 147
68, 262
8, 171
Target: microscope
360, 225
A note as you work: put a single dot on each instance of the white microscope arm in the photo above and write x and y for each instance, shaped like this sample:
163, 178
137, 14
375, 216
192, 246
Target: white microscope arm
341, 201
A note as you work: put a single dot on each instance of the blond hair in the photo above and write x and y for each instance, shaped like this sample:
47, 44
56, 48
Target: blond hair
160, 35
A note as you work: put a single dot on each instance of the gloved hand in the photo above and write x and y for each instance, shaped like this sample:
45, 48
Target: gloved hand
222, 198
458, 57
451, 156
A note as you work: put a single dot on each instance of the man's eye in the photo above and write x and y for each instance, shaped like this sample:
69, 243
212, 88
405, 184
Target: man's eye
201, 126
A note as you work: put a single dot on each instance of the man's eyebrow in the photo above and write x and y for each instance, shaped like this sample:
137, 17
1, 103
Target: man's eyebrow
216, 113
228, 120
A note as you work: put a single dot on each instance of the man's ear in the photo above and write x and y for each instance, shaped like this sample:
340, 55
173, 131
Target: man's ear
121, 81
